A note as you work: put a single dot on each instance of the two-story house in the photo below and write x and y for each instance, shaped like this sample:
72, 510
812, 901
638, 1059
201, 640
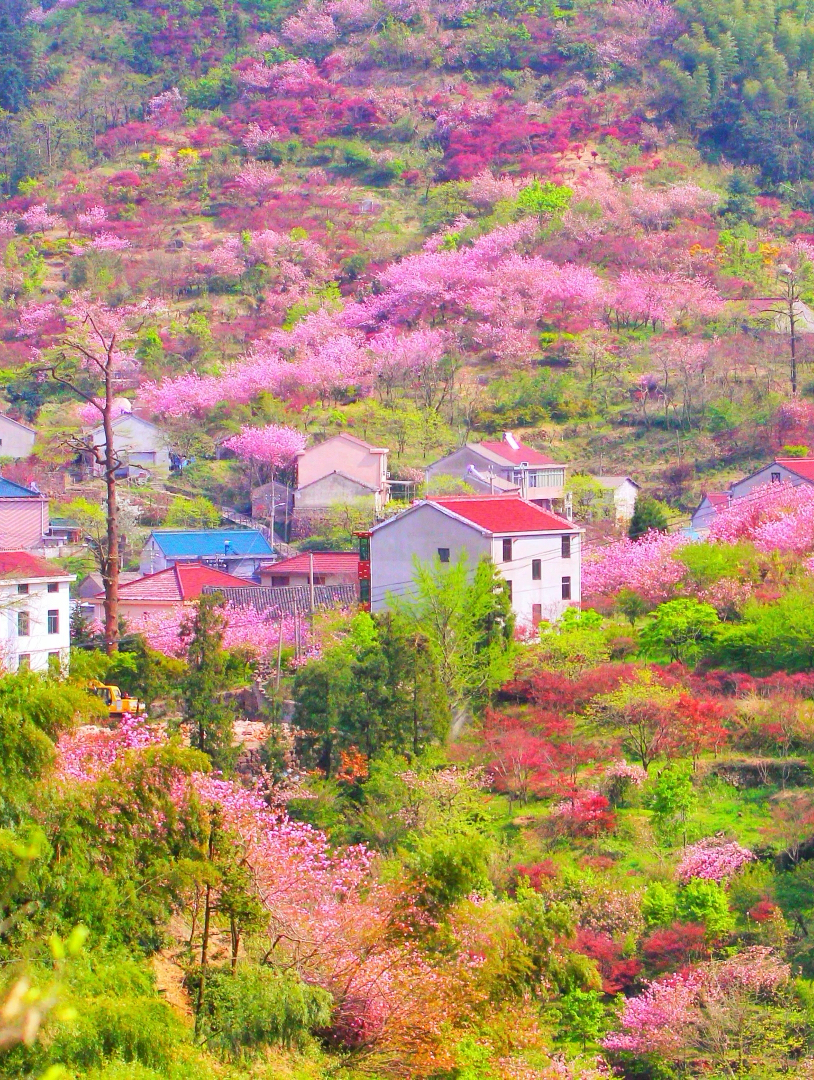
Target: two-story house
536, 552
23, 516
506, 466
35, 613
341, 469
794, 471
235, 551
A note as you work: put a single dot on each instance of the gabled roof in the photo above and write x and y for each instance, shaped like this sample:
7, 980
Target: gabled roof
122, 417
503, 514
176, 584
10, 490
10, 420
22, 566
614, 481
802, 466
208, 543
325, 562
345, 476
512, 455
498, 515
717, 498
348, 438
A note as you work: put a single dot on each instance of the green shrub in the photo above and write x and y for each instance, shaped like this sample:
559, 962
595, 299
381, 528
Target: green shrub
256, 1006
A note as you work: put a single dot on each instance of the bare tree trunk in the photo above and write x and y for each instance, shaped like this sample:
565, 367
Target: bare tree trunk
112, 561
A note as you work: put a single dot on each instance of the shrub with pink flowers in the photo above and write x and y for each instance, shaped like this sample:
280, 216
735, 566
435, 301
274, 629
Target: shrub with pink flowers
714, 858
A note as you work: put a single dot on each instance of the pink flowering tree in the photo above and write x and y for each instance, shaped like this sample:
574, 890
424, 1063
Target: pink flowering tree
257, 180
647, 566
714, 858
702, 1013
273, 449
774, 517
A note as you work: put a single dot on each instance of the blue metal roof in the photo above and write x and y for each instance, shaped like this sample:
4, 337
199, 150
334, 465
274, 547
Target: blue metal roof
205, 543
10, 490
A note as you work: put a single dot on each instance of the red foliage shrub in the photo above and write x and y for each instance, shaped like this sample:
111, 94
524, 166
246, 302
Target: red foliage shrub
671, 948
537, 873
763, 911
617, 973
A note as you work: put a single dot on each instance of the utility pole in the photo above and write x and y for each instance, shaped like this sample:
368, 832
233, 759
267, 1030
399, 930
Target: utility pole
311, 583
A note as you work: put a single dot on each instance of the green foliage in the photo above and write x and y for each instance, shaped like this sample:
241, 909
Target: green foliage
648, 514
144, 672
197, 513
450, 864
575, 642
379, 689
708, 562
705, 901
777, 636
208, 676
682, 630
467, 617
659, 904
673, 800
544, 199
257, 1006
582, 1015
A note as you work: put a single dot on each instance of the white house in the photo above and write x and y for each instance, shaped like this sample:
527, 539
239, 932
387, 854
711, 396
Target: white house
706, 511
505, 466
35, 619
535, 551
795, 471
16, 440
137, 442
623, 491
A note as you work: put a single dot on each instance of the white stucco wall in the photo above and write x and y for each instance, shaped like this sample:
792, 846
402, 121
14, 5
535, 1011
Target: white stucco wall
547, 592
138, 442
38, 644
417, 534
16, 440
747, 486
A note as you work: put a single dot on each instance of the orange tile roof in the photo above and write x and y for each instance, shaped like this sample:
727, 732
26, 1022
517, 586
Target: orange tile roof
22, 564
176, 585
325, 562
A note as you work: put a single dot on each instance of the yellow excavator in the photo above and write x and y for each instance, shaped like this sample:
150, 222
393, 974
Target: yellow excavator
117, 702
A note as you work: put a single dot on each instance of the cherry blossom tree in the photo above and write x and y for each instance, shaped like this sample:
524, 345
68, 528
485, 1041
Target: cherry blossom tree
647, 566
715, 858
775, 517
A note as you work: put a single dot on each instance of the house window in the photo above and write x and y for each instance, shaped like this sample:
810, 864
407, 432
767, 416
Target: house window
364, 549
536, 569
443, 554
566, 588
22, 589
775, 477
53, 586
280, 581
364, 590
509, 590
566, 547
23, 624
53, 621
24, 662
536, 614
507, 549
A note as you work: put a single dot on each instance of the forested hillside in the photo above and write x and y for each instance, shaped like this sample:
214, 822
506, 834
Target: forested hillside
435, 842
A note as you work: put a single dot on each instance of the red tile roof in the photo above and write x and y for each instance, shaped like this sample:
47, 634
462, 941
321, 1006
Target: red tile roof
515, 457
802, 466
22, 564
504, 514
176, 584
325, 562
718, 498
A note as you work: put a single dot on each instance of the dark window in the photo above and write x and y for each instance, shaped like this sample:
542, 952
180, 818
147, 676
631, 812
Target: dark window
509, 589
507, 549
443, 554
23, 624
775, 477
566, 547
566, 588
536, 614
364, 590
53, 622
364, 548
24, 662
536, 569
22, 589
280, 581
53, 586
